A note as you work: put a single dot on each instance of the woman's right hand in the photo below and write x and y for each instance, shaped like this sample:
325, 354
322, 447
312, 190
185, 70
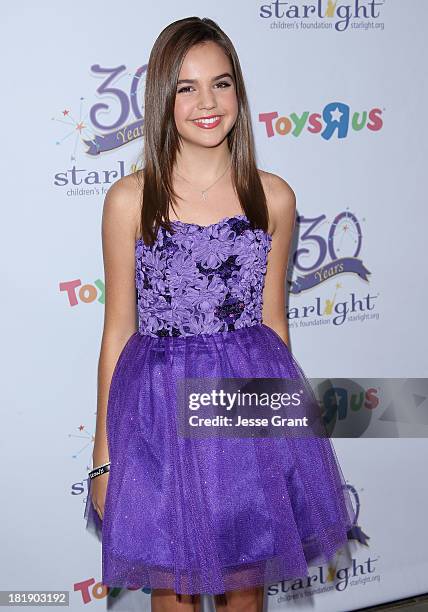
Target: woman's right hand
98, 493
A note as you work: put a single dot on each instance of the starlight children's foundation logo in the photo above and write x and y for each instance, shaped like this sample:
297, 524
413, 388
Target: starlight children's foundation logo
329, 253
106, 125
336, 120
337, 15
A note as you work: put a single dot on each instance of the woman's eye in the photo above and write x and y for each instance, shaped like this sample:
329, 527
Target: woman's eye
183, 89
224, 84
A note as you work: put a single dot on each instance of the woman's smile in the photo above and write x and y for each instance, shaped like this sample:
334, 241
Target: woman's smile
208, 123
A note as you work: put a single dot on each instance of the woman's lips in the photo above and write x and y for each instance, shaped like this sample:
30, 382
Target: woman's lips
207, 125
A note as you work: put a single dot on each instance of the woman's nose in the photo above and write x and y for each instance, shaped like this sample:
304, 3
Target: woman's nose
206, 98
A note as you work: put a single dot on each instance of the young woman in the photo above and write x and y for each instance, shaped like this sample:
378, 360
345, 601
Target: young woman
195, 248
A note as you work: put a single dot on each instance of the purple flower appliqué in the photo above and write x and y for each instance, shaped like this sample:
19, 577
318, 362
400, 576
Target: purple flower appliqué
201, 279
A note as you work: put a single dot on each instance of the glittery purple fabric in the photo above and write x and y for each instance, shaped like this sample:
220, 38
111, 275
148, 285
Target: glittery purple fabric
217, 514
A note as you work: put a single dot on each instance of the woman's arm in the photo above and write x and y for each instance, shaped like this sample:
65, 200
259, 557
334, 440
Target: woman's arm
119, 223
281, 202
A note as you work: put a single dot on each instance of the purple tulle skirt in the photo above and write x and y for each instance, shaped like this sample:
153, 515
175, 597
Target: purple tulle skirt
206, 516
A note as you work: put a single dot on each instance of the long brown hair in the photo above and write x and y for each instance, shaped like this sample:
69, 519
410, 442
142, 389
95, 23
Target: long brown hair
161, 138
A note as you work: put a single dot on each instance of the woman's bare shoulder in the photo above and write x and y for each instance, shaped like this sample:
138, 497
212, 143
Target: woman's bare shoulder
280, 197
128, 187
123, 201
275, 186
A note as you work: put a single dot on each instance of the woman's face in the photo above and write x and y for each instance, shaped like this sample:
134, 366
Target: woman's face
205, 90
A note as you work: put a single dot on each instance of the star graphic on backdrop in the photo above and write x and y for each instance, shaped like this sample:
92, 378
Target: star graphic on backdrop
77, 127
336, 114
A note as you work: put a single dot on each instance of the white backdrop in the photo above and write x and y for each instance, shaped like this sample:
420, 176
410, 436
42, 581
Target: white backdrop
337, 107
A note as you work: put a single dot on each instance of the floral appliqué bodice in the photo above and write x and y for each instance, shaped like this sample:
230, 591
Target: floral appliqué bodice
201, 279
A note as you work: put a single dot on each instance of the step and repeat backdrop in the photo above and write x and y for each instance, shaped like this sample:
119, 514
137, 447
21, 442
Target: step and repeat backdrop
338, 95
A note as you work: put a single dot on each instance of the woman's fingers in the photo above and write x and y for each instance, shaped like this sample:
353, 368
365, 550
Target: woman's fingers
98, 494
99, 512
98, 509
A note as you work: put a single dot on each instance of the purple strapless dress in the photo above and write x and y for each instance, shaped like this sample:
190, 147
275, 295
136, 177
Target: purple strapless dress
209, 515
